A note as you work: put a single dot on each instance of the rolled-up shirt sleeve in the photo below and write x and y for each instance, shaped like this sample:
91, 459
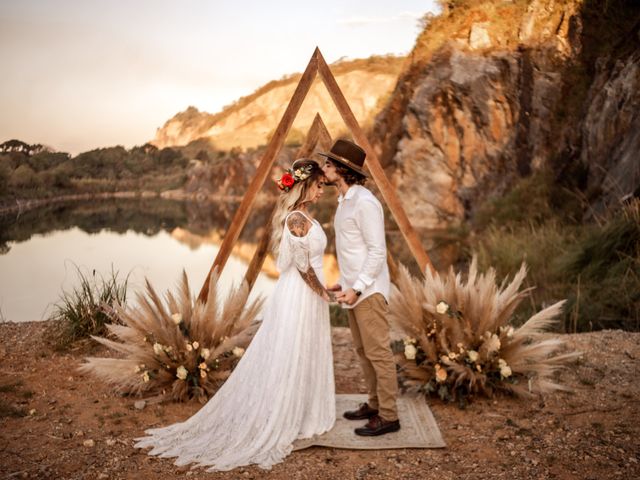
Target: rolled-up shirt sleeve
370, 219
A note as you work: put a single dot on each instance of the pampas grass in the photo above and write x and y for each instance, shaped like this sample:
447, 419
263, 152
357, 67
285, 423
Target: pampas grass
459, 341
178, 350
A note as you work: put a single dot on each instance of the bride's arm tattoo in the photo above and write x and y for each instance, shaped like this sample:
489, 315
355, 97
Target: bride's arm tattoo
311, 279
299, 226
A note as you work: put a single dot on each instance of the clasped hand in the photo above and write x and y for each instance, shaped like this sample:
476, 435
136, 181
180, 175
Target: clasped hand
348, 296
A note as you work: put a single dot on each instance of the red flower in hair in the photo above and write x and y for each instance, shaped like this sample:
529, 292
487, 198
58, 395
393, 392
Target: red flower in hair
287, 180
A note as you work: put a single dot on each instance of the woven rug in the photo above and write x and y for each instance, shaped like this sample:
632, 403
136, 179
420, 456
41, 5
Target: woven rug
418, 428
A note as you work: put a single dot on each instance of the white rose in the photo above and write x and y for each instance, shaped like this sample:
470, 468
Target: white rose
473, 355
238, 352
145, 377
203, 373
137, 369
195, 345
205, 352
203, 366
181, 373
505, 371
177, 318
410, 352
189, 347
442, 308
502, 362
157, 348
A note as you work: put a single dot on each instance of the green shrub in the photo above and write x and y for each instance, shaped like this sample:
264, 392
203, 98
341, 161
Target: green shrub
5, 177
539, 246
595, 266
46, 160
604, 266
532, 200
62, 175
24, 177
85, 310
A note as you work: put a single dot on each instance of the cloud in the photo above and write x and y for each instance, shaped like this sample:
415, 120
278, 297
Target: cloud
363, 21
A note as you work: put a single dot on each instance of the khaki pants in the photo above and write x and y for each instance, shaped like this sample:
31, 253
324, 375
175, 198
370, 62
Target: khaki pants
370, 331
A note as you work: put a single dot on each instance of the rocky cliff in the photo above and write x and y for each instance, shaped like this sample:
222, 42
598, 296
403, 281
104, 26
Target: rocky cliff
251, 120
498, 89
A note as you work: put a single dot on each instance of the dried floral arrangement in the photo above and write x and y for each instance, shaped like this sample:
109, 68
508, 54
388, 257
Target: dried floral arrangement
184, 350
459, 340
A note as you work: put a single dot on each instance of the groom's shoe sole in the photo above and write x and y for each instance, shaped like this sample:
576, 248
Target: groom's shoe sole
373, 432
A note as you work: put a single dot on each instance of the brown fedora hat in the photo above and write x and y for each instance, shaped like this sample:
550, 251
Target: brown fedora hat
348, 154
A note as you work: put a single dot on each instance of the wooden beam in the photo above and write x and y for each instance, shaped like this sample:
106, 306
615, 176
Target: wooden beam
260, 254
373, 164
318, 134
393, 267
275, 145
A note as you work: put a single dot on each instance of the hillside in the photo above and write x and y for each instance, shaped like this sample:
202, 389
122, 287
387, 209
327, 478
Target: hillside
498, 90
249, 121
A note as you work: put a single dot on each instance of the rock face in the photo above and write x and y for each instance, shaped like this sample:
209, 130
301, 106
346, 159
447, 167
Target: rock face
251, 121
611, 130
452, 141
488, 105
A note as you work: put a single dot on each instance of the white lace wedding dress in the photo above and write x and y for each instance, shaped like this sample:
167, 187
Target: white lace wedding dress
282, 388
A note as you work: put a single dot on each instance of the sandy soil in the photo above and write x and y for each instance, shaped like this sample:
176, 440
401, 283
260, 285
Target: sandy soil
56, 424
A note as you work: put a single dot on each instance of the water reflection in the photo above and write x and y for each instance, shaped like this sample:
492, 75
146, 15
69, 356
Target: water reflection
35, 272
144, 237
145, 216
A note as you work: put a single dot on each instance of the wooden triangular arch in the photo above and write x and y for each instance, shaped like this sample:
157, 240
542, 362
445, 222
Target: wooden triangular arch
317, 65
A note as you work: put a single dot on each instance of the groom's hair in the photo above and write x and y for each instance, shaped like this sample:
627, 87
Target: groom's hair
350, 177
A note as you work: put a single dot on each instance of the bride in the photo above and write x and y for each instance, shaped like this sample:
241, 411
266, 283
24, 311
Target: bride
282, 388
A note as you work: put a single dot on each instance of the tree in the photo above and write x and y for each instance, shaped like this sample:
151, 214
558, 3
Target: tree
24, 177
5, 176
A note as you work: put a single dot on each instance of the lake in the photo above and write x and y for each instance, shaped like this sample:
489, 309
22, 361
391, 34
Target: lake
41, 250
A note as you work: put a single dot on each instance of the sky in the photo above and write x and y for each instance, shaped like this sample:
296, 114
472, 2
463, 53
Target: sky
83, 74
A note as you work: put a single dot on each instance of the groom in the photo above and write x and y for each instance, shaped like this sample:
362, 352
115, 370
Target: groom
364, 284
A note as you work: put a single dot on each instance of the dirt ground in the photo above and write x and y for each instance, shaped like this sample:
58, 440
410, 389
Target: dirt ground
57, 424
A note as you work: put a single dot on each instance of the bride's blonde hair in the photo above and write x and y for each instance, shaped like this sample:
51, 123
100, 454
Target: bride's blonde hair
291, 200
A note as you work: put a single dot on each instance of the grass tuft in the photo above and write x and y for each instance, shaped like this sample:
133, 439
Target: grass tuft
85, 310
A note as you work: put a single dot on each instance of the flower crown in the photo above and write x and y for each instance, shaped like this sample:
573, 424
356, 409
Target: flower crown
291, 177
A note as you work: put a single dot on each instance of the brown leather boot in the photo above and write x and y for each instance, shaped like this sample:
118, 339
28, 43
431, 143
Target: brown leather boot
365, 411
378, 426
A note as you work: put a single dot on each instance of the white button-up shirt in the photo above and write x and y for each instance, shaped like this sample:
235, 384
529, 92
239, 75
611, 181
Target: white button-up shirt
360, 243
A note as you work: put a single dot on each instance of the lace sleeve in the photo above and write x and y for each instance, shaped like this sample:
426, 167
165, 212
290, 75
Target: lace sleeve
298, 228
